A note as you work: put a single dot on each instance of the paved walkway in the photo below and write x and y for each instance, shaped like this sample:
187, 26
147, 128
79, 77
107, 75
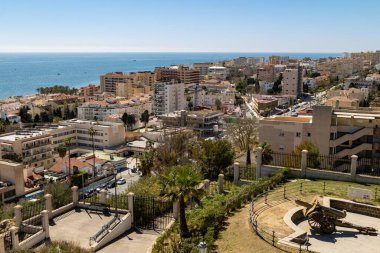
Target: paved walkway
77, 226
132, 242
346, 239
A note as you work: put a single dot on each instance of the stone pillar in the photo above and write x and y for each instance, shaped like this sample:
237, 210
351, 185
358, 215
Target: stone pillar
48, 203
354, 162
220, 183
18, 215
259, 161
175, 209
2, 246
75, 195
206, 185
14, 235
236, 173
45, 222
303, 163
103, 196
131, 196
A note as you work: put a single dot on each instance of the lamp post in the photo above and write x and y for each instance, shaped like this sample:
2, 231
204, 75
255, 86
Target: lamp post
115, 174
111, 168
202, 247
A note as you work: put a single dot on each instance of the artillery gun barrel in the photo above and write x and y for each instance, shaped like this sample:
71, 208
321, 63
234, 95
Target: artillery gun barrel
303, 203
338, 214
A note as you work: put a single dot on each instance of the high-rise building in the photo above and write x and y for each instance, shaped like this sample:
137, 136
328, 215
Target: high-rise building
292, 80
274, 60
266, 73
340, 67
179, 73
372, 57
168, 97
109, 81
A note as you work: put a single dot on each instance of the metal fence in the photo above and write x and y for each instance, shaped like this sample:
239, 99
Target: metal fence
322, 162
286, 193
152, 213
282, 159
31, 219
327, 162
370, 167
121, 201
247, 172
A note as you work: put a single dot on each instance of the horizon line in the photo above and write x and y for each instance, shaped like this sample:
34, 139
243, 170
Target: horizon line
199, 52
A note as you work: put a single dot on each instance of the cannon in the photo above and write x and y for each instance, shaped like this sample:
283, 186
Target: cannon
326, 219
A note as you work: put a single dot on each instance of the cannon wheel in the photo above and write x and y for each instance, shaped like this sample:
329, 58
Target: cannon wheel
328, 227
314, 219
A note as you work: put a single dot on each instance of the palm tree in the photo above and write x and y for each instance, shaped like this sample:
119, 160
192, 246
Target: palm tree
68, 143
266, 153
145, 118
180, 183
92, 133
61, 149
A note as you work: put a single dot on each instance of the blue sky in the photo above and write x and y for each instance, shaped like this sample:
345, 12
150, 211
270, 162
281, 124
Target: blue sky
189, 26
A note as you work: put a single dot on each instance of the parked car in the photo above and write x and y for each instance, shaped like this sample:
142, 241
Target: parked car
111, 184
121, 181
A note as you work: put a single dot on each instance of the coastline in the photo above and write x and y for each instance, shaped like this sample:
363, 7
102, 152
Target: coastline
22, 73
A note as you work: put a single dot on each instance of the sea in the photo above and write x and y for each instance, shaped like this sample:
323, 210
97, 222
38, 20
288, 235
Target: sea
23, 73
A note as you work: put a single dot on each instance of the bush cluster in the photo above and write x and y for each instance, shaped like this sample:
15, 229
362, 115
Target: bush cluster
206, 221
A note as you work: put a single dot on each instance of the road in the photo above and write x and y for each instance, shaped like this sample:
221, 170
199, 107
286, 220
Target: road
128, 175
125, 173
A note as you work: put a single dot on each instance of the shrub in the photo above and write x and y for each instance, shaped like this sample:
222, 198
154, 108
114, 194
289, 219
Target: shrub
146, 186
77, 179
206, 221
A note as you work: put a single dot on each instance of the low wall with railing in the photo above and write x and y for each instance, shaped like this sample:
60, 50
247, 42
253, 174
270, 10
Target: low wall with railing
319, 167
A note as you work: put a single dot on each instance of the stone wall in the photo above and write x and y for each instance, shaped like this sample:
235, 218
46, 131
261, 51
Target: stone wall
349, 206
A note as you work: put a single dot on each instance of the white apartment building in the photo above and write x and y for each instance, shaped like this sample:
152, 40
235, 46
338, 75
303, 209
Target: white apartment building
168, 97
202, 67
209, 97
36, 147
217, 72
265, 86
101, 110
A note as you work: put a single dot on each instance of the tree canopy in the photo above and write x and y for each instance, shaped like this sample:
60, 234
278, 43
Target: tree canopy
57, 89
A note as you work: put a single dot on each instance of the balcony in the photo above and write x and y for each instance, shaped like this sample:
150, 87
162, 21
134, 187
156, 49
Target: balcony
37, 159
36, 152
36, 145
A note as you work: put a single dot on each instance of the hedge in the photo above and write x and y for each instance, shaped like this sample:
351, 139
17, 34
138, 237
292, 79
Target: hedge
206, 221
77, 180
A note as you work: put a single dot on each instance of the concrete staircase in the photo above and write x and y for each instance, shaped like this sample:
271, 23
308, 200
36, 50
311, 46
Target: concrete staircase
352, 136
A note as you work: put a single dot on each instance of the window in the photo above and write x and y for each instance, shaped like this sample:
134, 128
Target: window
282, 134
308, 134
281, 148
298, 134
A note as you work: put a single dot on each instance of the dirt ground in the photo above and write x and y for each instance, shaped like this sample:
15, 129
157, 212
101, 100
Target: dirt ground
273, 218
239, 237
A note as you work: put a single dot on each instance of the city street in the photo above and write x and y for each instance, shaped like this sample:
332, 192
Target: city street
128, 175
